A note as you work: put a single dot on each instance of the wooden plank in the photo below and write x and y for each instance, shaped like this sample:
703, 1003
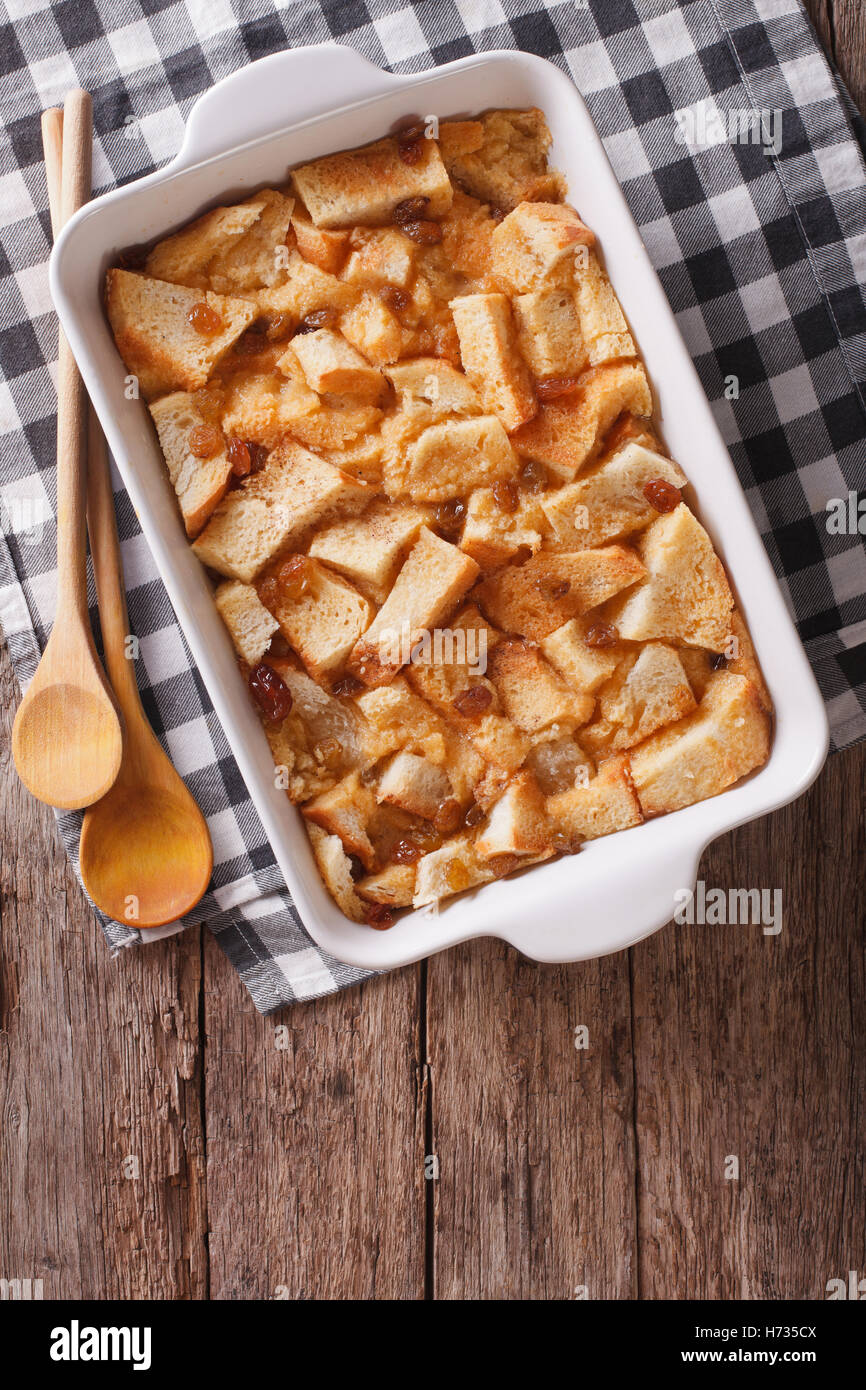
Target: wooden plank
534, 1138
841, 27
99, 1078
753, 1046
315, 1142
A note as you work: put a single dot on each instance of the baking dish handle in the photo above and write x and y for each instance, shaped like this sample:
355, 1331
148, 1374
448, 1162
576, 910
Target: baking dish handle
617, 901
291, 86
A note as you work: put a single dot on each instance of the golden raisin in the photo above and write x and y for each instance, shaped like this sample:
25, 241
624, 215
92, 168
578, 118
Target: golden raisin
550, 388
270, 693
448, 817
474, 816
238, 456
473, 701
425, 232
204, 441
204, 320
506, 496
449, 515
208, 401
292, 577
378, 916
349, 685
457, 875
279, 327
662, 495
533, 476
410, 144
601, 635
394, 297
406, 852
258, 456
317, 318
410, 209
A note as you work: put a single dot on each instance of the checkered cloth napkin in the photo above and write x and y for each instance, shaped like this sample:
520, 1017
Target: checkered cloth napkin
760, 247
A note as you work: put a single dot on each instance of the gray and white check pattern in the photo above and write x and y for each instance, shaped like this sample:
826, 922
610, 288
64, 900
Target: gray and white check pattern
763, 259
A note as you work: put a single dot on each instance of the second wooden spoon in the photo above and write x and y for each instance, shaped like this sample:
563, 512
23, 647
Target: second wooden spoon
146, 854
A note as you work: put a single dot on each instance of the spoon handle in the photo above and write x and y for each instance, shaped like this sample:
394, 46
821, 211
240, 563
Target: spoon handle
71, 399
101, 521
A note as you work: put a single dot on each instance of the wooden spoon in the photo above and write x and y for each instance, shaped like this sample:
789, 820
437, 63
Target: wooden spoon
146, 855
66, 739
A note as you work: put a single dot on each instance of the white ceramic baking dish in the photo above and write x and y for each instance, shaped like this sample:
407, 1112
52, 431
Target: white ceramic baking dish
246, 132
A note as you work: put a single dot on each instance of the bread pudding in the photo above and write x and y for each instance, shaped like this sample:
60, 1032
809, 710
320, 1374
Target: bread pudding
412, 442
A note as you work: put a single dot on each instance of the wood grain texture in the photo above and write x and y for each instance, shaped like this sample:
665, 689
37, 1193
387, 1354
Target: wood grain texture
100, 1078
315, 1152
841, 27
752, 1045
534, 1138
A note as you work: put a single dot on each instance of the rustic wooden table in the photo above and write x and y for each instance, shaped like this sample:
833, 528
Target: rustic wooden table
161, 1140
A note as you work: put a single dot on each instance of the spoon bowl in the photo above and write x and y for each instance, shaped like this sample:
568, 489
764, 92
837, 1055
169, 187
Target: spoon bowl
145, 853
66, 739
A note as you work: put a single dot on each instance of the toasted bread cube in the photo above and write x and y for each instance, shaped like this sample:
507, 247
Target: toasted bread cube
383, 256
250, 625
583, 664
348, 810
264, 406
491, 359
517, 823
361, 457
608, 502
362, 187
450, 869
414, 785
647, 691
257, 258
305, 289
371, 328
535, 246
568, 433
335, 866
698, 666
508, 164
533, 694
331, 364
199, 483
534, 599
602, 321
273, 509
323, 623
183, 258
392, 886
605, 804
150, 322
493, 536
317, 725
549, 334
727, 737
369, 549
434, 577
744, 662
452, 458
558, 762
432, 382
685, 598
325, 249
444, 674
341, 422
467, 238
